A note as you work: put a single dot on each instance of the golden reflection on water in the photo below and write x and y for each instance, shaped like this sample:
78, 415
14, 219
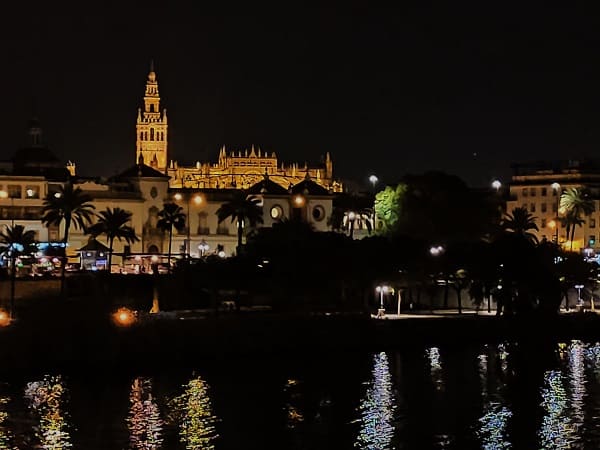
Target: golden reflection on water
294, 416
5, 434
143, 421
377, 408
46, 399
192, 410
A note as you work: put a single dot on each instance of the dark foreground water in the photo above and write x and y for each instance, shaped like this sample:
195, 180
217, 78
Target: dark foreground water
491, 397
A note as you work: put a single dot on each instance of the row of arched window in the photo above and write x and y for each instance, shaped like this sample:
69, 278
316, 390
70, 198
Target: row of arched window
154, 136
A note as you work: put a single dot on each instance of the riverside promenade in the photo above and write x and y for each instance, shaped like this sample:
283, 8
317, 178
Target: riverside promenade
66, 337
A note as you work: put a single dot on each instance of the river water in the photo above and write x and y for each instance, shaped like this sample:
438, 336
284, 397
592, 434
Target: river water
495, 396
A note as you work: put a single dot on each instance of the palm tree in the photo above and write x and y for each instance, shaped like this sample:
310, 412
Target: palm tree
71, 205
15, 241
171, 216
520, 222
575, 203
241, 208
113, 223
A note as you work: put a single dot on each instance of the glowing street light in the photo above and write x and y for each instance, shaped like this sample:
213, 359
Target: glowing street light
381, 290
4, 318
203, 247
436, 250
198, 200
373, 180
124, 317
496, 185
178, 197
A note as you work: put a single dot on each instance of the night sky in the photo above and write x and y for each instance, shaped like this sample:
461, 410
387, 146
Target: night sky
390, 92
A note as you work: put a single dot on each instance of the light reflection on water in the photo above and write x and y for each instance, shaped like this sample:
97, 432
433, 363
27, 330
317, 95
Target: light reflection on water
293, 413
46, 400
144, 421
435, 367
380, 414
192, 411
492, 426
5, 434
377, 408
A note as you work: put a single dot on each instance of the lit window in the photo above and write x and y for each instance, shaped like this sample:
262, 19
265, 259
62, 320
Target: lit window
277, 212
32, 191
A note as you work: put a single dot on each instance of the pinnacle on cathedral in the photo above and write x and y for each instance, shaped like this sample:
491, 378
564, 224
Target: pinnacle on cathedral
238, 169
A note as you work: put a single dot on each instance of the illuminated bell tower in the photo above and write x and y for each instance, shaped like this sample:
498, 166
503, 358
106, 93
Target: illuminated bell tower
151, 128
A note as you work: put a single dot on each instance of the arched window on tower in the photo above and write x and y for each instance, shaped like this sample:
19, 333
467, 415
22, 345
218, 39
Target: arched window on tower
141, 135
151, 107
151, 134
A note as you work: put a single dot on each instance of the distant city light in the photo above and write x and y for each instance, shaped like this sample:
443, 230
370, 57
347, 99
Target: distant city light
124, 317
4, 318
436, 250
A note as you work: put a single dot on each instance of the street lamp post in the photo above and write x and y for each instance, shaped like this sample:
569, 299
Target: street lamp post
198, 201
203, 247
496, 185
351, 219
579, 287
556, 189
381, 290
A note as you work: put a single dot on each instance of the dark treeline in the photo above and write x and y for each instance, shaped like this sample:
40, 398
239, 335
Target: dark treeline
440, 243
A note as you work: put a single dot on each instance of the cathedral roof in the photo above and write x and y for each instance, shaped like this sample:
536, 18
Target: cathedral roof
141, 171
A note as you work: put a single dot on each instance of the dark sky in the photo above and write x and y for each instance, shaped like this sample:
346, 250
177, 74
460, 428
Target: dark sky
464, 90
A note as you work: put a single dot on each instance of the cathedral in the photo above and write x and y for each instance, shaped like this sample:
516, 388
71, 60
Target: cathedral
239, 169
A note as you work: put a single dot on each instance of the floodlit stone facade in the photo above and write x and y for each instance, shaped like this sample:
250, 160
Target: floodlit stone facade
533, 188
